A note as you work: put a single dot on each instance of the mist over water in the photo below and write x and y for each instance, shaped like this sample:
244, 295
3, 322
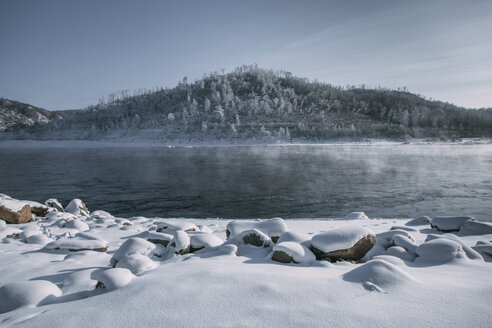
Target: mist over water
301, 181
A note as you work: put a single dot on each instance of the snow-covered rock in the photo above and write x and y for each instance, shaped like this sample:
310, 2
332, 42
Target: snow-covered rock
79, 280
251, 237
26, 293
16, 205
349, 242
273, 228
470, 253
39, 239
476, 228
77, 207
132, 246
449, 223
290, 251
181, 242
113, 278
379, 275
137, 264
439, 251
483, 248
14, 211
169, 226
356, 216
77, 224
204, 240
159, 238
102, 217
390, 238
78, 244
55, 204
423, 220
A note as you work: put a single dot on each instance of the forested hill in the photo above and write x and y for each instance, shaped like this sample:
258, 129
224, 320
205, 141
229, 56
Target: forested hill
256, 104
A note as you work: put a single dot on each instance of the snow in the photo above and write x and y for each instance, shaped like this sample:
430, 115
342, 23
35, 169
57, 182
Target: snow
297, 237
340, 238
299, 253
418, 276
379, 275
17, 294
356, 216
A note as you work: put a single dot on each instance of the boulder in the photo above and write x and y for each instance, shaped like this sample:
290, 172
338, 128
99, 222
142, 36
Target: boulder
132, 246
181, 242
14, 205
345, 243
423, 220
476, 228
168, 226
77, 207
441, 250
292, 252
16, 217
449, 223
137, 264
203, 240
159, 238
78, 244
273, 228
54, 203
112, 279
251, 237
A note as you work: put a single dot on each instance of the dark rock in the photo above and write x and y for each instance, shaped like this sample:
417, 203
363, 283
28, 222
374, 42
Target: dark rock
354, 253
283, 257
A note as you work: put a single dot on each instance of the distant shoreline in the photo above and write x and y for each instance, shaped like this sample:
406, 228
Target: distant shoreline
224, 143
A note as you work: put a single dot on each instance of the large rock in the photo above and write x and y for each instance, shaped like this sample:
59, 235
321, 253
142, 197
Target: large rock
449, 223
345, 243
16, 217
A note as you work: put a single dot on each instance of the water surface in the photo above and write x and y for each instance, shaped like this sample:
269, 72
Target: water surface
302, 181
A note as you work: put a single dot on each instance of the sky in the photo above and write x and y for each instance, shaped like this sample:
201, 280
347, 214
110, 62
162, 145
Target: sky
64, 54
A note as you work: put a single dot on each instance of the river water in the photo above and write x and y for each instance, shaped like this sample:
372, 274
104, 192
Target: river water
295, 181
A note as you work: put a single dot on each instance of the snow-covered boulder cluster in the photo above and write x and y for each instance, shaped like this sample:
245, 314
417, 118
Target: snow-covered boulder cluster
102, 252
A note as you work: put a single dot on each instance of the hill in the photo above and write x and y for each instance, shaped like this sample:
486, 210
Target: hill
16, 115
256, 104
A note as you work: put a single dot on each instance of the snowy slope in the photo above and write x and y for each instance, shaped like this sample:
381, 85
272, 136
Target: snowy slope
14, 114
239, 285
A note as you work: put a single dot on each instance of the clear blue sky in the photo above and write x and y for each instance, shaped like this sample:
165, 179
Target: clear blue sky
68, 54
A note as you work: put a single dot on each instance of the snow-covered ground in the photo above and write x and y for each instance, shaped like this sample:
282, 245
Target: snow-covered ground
415, 275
